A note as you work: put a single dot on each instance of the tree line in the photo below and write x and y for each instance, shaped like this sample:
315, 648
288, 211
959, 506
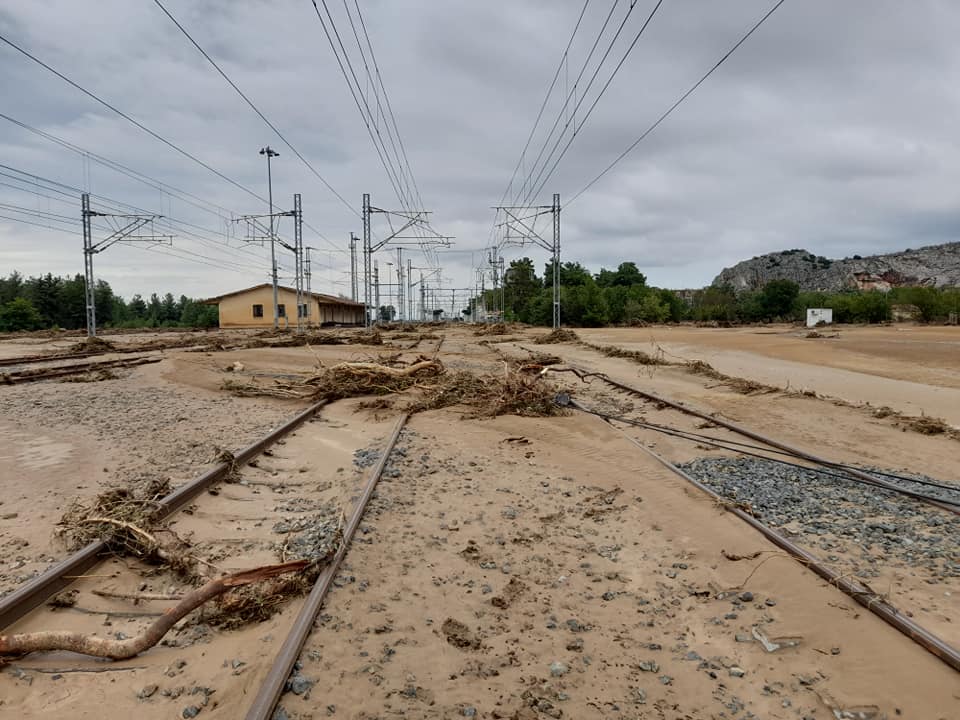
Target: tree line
50, 301
622, 296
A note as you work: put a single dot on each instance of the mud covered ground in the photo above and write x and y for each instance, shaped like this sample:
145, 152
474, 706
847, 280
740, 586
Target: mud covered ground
514, 567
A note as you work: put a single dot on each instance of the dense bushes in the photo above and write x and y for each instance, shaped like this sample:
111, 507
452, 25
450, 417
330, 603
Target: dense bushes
49, 301
622, 296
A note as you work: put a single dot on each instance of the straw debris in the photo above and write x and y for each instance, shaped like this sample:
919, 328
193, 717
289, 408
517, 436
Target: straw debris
493, 329
559, 335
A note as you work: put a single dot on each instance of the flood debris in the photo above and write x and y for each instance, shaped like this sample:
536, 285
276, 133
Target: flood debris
558, 335
773, 644
514, 392
96, 646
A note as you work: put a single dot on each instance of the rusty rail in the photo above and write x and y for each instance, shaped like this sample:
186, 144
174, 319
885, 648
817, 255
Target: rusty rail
273, 685
38, 374
746, 432
30, 359
860, 593
34, 592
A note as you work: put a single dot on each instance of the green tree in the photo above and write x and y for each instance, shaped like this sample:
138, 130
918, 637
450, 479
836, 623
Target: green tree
520, 287
20, 314
777, 298
11, 287
137, 308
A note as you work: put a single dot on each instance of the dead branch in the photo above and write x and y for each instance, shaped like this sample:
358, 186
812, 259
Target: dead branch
146, 597
52, 640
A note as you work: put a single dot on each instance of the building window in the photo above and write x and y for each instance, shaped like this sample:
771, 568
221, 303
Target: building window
281, 310
258, 310
305, 310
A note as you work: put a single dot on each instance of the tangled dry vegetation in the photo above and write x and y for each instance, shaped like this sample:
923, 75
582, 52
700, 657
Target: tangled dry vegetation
741, 385
494, 329
515, 391
637, 356
129, 520
560, 335
131, 524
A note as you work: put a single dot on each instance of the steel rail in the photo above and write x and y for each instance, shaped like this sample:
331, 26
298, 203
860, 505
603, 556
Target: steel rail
860, 593
746, 432
34, 592
30, 359
276, 680
762, 453
25, 376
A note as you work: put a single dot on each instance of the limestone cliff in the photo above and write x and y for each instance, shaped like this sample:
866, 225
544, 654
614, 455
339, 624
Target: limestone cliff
931, 266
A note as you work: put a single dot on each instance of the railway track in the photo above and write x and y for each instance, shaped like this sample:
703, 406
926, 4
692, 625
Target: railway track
50, 373
233, 519
856, 588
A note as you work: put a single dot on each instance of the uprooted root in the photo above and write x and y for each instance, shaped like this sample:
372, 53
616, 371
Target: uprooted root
129, 523
517, 391
48, 641
559, 335
344, 380
512, 393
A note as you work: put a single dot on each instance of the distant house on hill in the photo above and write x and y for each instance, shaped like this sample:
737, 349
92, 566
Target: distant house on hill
253, 308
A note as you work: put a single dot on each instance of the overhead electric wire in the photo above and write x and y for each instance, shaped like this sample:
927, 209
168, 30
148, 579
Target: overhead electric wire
546, 99
40, 225
363, 56
429, 253
566, 101
367, 116
130, 119
386, 98
257, 111
583, 121
123, 169
676, 104
118, 207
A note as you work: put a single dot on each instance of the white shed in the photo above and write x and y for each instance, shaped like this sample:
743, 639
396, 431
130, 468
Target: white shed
816, 316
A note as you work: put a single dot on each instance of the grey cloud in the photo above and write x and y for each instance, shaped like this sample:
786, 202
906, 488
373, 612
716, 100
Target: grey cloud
833, 128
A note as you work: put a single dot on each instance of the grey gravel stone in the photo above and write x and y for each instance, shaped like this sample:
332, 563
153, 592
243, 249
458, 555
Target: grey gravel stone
299, 685
557, 669
147, 691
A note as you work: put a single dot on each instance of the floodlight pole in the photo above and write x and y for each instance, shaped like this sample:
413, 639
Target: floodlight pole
271, 153
353, 266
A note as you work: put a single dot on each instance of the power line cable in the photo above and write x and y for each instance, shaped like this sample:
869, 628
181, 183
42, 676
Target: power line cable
130, 119
676, 104
576, 127
366, 116
546, 99
386, 98
576, 82
256, 109
123, 169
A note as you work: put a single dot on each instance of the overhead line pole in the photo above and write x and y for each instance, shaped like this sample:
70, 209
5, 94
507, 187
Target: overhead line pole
91, 248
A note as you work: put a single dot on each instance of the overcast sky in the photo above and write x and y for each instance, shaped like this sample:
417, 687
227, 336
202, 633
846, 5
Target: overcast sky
833, 128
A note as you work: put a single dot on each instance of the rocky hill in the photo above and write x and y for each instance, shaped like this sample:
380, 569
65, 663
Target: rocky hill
932, 266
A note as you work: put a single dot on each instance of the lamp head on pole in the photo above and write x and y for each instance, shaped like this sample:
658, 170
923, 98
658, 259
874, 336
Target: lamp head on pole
269, 152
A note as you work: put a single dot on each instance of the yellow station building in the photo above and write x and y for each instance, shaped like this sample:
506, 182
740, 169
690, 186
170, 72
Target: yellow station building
253, 308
